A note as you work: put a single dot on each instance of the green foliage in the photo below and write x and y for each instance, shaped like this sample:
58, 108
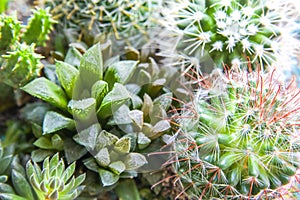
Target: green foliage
242, 140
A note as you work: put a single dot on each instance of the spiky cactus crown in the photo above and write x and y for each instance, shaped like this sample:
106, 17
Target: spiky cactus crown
239, 139
229, 30
123, 18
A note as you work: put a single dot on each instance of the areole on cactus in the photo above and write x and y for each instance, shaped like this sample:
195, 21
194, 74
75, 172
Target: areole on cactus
239, 137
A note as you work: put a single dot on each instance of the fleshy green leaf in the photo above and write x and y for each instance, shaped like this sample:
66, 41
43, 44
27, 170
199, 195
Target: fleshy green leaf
120, 72
68, 172
54, 121
105, 139
113, 100
108, 178
5, 162
102, 157
159, 128
57, 142
134, 161
40, 154
99, 90
137, 118
91, 66
5, 188
47, 91
123, 145
164, 100
67, 75
73, 57
88, 137
117, 167
43, 143
83, 109
11, 197
143, 141
21, 185
73, 151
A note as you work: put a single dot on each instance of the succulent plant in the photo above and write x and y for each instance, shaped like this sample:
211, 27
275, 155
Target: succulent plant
108, 108
89, 19
239, 138
54, 181
87, 95
19, 62
10, 29
229, 31
21, 65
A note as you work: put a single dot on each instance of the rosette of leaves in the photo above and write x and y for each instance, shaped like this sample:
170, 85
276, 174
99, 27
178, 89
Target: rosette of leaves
87, 19
13, 184
85, 95
239, 137
229, 31
52, 181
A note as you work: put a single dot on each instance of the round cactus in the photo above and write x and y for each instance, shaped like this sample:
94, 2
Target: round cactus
229, 31
124, 18
239, 137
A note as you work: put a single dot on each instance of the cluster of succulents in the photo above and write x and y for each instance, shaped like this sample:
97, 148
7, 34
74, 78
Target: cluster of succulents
239, 137
115, 110
125, 89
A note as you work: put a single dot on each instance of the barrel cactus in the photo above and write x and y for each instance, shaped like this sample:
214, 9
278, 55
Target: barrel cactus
88, 19
238, 139
230, 31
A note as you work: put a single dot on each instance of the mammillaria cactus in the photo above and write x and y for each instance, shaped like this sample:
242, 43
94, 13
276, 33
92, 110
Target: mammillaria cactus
229, 31
89, 19
239, 137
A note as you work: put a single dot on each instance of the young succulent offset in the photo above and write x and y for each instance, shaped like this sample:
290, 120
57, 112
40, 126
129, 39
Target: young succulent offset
239, 137
53, 180
229, 31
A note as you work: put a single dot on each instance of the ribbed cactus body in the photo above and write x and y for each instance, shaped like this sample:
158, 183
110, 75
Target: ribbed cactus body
21, 65
10, 28
123, 18
240, 137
